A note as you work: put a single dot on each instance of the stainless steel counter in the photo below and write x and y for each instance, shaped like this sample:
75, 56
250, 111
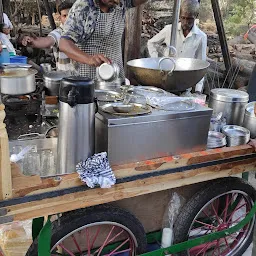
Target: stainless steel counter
161, 133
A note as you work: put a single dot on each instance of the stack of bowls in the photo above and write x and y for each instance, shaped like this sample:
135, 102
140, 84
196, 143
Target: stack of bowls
216, 140
236, 135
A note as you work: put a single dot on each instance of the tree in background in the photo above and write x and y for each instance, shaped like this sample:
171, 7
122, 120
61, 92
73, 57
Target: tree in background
240, 16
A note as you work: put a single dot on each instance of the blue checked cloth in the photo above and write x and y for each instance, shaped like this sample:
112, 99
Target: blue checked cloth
96, 170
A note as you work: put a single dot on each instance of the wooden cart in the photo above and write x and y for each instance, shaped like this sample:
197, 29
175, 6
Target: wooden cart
137, 184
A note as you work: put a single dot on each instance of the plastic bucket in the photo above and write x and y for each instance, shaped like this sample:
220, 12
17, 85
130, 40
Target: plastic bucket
18, 59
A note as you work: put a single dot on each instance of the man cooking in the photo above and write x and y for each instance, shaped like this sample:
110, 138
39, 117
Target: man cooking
93, 33
52, 40
191, 41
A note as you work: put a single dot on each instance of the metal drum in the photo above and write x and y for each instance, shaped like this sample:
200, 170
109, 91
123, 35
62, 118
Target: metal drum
250, 119
230, 102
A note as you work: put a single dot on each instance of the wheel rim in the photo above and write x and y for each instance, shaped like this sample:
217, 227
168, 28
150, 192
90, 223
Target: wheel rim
222, 212
97, 239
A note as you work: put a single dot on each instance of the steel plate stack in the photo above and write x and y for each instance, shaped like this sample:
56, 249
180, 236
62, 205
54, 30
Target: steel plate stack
216, 140
236, 135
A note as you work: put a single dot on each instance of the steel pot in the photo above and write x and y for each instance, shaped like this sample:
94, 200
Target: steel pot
250, 119
230, 102
18, 81
52, 82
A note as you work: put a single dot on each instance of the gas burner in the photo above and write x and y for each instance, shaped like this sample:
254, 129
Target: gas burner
23, 112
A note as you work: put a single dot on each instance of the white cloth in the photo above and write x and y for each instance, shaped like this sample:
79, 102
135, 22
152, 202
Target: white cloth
192, 46
7, 21
5, 40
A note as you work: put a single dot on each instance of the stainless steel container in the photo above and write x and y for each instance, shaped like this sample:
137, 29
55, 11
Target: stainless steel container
250, 119
104, 85
76, 123
18, 81
230, 102
52, 81
45, 67
159, 134
236, 135
107, 72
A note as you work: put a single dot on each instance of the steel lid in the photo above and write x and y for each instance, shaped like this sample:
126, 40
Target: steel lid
229, 95
249, 109
55, 75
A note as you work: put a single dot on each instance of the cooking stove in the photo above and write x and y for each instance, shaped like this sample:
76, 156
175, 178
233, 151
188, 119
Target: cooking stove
23, 112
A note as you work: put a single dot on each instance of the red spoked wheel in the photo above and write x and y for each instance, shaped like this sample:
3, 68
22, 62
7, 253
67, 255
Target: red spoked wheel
219, 206
102, 238
96, 231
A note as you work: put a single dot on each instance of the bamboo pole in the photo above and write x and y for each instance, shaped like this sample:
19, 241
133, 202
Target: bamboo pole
5, 166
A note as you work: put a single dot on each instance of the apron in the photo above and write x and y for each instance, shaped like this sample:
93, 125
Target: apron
106, 39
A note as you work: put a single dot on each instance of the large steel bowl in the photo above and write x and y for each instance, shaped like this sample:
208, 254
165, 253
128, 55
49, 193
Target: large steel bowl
187, 73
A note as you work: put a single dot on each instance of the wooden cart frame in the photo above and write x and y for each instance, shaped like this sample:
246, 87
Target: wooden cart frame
33, 197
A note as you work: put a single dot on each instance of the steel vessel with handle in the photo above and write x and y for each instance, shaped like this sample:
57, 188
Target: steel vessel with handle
17, 81
163, 74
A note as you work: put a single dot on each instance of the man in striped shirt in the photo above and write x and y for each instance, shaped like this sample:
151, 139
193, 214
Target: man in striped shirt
63, 63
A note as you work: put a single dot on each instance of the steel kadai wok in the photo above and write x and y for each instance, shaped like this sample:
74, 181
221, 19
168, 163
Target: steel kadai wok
170, 74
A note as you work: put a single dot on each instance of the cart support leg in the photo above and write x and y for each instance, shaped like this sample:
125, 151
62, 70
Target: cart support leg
245, 175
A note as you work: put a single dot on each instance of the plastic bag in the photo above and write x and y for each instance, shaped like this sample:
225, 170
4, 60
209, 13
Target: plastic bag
171, 213
15, 238
172, 103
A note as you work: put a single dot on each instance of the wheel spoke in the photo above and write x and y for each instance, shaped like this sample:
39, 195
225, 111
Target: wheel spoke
232, 213
217, 247
205, 224
88, 241
236, 209
227, 196
227, 244
201, 251
227, 205
105, 242
65, 249
77, 246
235, 221
95, 237
120, 246
127, 250
216, 214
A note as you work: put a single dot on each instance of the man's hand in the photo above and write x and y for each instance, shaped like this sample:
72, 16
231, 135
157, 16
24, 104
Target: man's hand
97, 59
27, 40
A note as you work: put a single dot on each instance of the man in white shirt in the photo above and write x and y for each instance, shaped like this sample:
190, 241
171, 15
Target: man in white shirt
7, 21
191, 41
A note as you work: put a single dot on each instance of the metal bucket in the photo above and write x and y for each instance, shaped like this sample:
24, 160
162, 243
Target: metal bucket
230, 102
250, 119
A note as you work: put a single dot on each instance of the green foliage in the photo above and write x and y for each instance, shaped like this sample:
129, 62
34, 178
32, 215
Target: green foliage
240, 16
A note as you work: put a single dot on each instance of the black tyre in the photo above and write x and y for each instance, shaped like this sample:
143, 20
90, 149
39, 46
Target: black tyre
114, 218
219, 205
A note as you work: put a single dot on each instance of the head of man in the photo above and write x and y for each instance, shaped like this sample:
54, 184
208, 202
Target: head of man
5, 29
63, 10
108, 3
189, 11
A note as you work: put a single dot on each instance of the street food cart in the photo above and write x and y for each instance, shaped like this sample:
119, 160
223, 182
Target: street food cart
216, 217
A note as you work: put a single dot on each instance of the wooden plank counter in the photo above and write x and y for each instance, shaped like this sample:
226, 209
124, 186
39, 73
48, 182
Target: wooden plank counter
35, 197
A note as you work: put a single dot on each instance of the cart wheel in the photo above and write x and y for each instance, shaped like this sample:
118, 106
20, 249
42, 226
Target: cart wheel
220, 205
101, 230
